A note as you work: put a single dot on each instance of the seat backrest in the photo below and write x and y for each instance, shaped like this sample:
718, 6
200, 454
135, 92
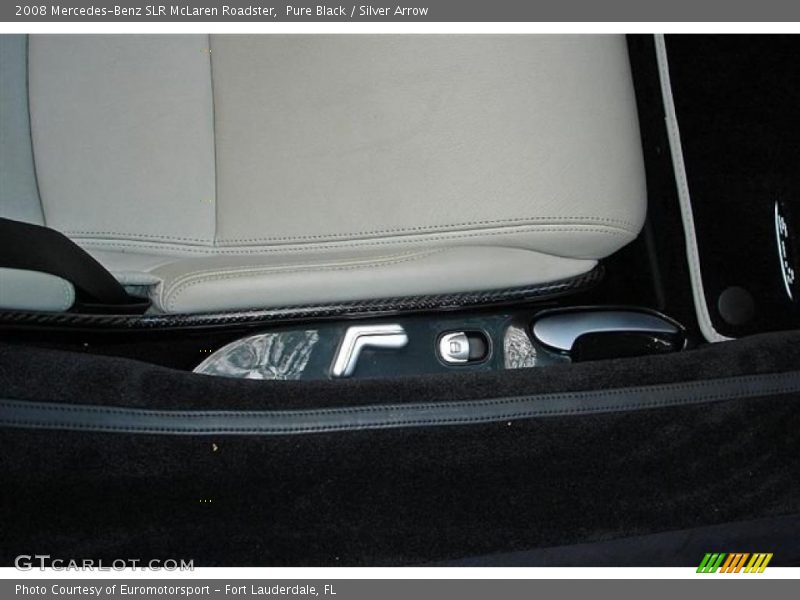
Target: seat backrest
189, 143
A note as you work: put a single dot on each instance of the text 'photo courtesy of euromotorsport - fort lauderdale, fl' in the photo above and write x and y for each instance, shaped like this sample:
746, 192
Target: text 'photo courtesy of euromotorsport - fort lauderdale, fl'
171, 590
182, 10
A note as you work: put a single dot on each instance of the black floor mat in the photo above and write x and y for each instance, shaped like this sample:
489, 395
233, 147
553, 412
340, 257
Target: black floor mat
400, 496
736, 99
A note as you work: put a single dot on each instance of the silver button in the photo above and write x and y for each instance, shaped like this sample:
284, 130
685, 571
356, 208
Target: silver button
454, 347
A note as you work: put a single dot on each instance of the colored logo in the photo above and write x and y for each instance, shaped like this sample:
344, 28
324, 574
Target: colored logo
736, 562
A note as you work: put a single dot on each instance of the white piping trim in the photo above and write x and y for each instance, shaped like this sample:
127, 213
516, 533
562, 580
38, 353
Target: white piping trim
676, 151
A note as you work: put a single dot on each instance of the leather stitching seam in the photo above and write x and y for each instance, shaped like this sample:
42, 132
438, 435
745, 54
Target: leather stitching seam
366, 243
419, 422
621, 223
579, 395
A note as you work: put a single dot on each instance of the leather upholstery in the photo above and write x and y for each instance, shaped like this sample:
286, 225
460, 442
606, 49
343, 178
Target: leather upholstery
21, 289
122, 135
230, 172
19, 198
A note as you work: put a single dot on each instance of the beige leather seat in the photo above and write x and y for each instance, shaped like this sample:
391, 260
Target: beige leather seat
223, 172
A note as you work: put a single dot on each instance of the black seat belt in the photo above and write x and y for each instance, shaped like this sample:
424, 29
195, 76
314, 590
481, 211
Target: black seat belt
36, 248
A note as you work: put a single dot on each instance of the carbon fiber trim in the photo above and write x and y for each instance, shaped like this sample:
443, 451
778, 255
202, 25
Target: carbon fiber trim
381, 307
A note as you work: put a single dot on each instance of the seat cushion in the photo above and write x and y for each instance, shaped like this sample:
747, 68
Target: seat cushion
230, 172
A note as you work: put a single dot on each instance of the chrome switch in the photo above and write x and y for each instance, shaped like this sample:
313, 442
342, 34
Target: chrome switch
460, 347
454, 347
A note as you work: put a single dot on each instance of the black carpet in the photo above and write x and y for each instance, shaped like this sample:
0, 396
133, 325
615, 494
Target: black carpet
677, 548
402, 496
736, 99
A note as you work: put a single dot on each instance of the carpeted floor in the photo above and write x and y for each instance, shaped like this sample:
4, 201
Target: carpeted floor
387, 497
736, 99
